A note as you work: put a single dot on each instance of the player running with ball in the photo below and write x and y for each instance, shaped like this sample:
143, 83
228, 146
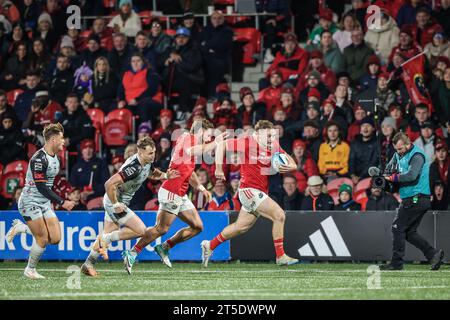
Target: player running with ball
172, 197
35, 202
255, 158
121, 223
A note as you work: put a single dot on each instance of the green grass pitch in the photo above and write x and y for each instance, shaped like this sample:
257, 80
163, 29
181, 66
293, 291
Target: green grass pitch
225, 281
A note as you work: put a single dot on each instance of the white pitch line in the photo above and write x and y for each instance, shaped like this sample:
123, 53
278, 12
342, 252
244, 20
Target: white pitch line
247, 292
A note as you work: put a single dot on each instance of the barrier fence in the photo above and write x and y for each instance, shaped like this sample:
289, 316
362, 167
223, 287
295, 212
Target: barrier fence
310, 236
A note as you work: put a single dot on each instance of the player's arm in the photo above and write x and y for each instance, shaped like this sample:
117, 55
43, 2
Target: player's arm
195, 183
127, 173
159, 175
39, 166
220, 154
198, 150
291, 166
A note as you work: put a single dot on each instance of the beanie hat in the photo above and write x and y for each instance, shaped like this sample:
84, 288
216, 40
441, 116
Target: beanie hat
345, 187
45, 17
368, 120
67, 42
124, 2
314, 92
244, 92
298, 143
389, 121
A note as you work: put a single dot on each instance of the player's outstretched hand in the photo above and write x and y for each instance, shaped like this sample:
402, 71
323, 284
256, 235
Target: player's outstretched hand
207, 195
68, 205
285, 169
219, 174
171, 174
221, 137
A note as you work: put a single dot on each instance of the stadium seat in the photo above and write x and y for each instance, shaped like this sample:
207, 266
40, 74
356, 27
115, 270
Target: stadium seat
362, 186
31, 149
146, 17
122, 114
96, 203
63, 158
336, 183
252, 39
151, 204
16, 166
11, 96
224, 2
9, 182
115, 132
98, 121
170, 32
335, 195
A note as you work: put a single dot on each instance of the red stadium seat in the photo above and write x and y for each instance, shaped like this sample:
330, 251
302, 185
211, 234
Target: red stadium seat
31, 149
146, 17
224, 2
252, 39
151, 205
335, 195
16, 166
97, 117
362, 186
11, 96
114, 133
63, 158
336, 183
171, 32
95, 203
122, 114
9, 182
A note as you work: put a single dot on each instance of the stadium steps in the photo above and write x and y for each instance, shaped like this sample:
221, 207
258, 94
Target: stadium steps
251, 78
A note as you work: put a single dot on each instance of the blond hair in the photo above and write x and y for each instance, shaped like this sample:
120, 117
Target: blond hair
51, 130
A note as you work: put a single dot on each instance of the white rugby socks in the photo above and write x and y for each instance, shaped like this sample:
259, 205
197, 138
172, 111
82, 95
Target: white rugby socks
35, 255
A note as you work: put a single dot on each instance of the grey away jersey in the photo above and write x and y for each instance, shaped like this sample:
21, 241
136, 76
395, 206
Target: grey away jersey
133, 175
43, 168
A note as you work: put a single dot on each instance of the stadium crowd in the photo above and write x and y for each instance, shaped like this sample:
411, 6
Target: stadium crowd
322, 80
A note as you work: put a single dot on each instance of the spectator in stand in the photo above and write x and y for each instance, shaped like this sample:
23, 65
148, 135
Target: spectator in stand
291, 61
74, 35
287, 102
39, 57
104, 86
383, 40
197, 197
23, 101
438, 47
329, 112
356, 55
226, 114
343, 78
407, 13
127, 21
77, 124
9, 10
271, 95
16, 196
388, 129
396, 112
443, 96
116, 161
333, 154
382, 93
4, 106
160, 41
313, 138
11, 139
188, 21
292, 198
165, 152
440, 167
216, 44
332, 56
58, 15
440, 199
407, 47
380, 200
346, 203
67, 49
355, 128
316, 63
313, 113
144, 130
183, 71
325, 24
427, 139
316, 199
359, 11
43, 111
364, 151
100, 29
443, 16
137, 89
142, 44
370, 79
273, 24
14, 71
222, 200
93, 51
83, 83
165, 125
313, 81
343, 104
306, 167
130, 150
46, 32
343, 37
120, 55
89, 173
421, 114
424, 28
250, 112
4, 38
60, 81
17, 35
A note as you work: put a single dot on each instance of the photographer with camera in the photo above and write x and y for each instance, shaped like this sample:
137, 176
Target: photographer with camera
413, 179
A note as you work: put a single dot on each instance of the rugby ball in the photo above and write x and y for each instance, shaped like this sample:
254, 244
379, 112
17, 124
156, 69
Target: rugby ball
278, 159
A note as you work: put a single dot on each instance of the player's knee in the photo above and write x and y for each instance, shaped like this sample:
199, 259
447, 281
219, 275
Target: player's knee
162, 230
243, 228
42, 240
55, 239
141, 232
198, 227
280, 216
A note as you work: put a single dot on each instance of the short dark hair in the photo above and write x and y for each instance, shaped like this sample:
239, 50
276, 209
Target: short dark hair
33, 73
72, 95
421, 106
52, 129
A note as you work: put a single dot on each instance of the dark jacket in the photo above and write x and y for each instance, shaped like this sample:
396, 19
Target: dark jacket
89, 57
11, 144
386, 202
77, 127
363, 154
105, 92
258, 112
293, 202
350, 205
60, 85
23, 102
120, 61
161, 43
216, 45
81, 174
17, 69
322, 203
355, 59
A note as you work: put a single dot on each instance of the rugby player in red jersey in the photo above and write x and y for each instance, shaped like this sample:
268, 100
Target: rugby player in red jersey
172, 197
256, 153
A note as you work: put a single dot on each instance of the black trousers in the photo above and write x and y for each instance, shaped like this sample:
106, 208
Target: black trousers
404, 228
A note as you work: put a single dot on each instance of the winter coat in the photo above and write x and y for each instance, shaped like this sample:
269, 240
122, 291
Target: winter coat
350, 205
130, 27
355, 58
77, 127
425, 35
386, 202
258, 112
289, 65
323, 202
216, 46
11, 144
363, 155
105, 92
384, 39
292, 202
437, 51
80, 175
60, 85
